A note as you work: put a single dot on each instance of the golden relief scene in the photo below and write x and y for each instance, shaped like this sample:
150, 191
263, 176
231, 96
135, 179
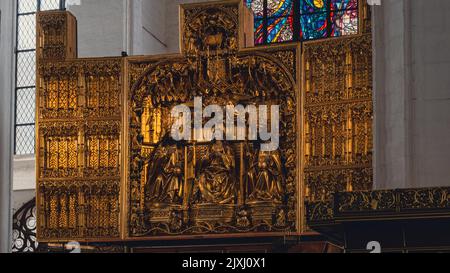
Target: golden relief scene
109, 168
216, 187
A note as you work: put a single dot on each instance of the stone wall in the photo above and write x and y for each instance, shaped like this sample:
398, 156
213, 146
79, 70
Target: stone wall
412, 90
100, 27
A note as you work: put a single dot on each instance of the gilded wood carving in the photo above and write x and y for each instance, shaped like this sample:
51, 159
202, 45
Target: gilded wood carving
337, 86
108, 170
220, 187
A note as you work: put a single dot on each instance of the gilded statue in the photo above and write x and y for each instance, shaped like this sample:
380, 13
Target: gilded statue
266, 178
164, 177
215, 174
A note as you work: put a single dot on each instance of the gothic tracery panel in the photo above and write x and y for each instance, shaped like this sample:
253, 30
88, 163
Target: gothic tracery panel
337, 87
79, 138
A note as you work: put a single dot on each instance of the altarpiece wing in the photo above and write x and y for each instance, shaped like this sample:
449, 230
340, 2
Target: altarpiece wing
202, 187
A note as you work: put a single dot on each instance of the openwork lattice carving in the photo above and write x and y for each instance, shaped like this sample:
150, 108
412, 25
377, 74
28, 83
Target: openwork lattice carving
338, 116
79, 141
79, 209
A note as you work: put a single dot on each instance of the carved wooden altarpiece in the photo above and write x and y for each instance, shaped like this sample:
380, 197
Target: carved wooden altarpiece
107, 169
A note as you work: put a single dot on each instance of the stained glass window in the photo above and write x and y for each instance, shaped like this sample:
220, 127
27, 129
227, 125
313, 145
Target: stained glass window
301, 20
26, 71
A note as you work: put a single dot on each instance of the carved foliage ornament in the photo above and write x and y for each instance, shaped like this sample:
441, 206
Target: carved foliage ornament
384, 204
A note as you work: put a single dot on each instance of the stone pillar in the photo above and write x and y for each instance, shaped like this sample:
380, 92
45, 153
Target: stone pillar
7, 32
412, 93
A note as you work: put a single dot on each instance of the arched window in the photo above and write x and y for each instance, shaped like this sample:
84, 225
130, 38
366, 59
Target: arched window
279, 21
25, 92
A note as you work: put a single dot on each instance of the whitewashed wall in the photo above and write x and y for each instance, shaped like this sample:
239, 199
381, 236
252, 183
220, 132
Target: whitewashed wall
412, 90
100, 27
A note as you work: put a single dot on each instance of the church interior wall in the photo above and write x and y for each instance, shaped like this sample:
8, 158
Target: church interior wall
389, 90
152, 28
100, 27
430, 93
412, 91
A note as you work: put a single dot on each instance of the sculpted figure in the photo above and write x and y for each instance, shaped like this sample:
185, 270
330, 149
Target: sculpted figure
266, 178
164, 177
215, 176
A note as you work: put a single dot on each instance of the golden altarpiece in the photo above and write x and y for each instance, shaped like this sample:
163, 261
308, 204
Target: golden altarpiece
107, 170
